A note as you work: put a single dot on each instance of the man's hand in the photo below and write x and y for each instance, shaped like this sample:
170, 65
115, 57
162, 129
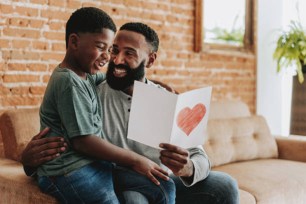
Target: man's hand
40, 150
176, 159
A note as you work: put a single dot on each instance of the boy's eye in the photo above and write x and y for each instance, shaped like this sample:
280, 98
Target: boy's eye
102, 48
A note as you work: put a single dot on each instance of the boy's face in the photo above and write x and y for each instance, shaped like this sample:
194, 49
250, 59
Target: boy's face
92, 51
129, 57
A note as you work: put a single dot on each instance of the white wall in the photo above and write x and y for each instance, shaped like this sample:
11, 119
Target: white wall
273, 90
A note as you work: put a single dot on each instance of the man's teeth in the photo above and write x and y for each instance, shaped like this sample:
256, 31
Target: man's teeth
120, 71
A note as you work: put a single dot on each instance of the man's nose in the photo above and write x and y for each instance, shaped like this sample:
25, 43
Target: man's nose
118, 59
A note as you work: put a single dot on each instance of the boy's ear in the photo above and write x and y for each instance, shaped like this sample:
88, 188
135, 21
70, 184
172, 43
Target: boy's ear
152, 58
73, 40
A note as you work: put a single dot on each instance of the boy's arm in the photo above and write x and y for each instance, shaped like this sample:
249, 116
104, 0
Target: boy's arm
98, 148
99, 78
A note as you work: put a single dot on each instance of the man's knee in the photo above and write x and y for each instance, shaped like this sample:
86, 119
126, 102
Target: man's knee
133, 197
226, 187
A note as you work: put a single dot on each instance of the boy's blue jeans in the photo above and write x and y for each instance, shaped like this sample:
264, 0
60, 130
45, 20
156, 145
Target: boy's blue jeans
94, 183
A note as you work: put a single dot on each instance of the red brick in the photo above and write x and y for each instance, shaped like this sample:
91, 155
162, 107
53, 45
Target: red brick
58, 26
54, 35
43, 2
58, 3
24, 55
20, 78
18, 32
37, 90
37, 67
21, 44
17, 67
4, 43
51, 14
52, 56
21, 101
6, 9
74, 4
40, 45
26, 11
19, 90
59, 46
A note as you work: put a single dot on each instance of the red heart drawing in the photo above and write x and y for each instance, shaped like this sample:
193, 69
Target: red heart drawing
188, 119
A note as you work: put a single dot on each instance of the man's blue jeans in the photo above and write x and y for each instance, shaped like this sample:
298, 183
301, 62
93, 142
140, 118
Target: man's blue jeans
92, 183
127, 182
217, 188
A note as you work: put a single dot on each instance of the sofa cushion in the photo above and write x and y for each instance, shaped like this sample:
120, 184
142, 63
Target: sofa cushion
16, 187
17, 129
228, 109
246, 198
1, 146
270, 181
239, 139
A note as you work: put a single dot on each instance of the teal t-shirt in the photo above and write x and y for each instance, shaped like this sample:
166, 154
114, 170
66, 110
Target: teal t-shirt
70, 108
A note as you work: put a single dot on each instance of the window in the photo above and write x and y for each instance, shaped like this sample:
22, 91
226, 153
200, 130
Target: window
223, 24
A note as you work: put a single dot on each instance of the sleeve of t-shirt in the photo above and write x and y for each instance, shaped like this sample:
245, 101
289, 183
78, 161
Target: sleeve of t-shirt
75, 108
99, 78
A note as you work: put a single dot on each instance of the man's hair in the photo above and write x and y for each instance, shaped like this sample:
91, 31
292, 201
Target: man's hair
88, 19
150, 35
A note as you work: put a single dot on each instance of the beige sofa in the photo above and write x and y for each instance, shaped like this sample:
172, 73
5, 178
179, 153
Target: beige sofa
268, 169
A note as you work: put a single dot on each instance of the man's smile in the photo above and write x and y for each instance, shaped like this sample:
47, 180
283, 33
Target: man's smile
118, 72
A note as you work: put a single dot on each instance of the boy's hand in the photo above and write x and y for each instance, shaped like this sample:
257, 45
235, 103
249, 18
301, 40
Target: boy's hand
150, 169
40, 150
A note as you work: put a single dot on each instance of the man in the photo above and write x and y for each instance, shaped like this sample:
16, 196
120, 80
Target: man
134, 49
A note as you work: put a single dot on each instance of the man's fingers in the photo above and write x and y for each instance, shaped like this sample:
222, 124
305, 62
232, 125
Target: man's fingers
171, 162
54, 141
174, 148
41, 134
47, 158
174, 156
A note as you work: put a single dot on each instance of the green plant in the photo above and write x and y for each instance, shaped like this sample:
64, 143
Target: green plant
235, 35
291, 49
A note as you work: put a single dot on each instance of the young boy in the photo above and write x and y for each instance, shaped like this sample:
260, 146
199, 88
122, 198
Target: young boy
83, 173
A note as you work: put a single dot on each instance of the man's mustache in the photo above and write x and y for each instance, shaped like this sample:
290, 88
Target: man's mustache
120, 66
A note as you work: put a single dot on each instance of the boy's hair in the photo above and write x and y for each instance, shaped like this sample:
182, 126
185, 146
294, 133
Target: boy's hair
150, 35
88, 19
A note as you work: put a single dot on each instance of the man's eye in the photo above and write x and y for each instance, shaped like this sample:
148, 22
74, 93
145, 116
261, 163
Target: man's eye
114, 51
128, 53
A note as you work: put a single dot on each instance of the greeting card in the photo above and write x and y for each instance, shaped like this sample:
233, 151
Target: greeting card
158, 116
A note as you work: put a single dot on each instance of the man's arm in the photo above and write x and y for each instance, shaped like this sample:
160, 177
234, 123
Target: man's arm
191, 166
40, 150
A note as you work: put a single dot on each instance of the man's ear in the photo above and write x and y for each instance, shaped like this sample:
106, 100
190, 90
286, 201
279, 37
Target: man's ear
152, 58
73, 40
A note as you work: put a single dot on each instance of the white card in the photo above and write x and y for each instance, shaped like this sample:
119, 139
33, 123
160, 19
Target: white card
158, 116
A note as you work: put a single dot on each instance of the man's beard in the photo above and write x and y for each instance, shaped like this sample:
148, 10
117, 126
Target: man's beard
122, 83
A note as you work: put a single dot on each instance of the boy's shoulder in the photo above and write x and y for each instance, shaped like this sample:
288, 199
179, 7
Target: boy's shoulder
66, 76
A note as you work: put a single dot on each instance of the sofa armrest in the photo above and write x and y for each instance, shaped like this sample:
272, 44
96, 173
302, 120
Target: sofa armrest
291, 148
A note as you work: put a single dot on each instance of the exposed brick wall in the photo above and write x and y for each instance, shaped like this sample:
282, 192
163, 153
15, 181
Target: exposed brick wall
32, 44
